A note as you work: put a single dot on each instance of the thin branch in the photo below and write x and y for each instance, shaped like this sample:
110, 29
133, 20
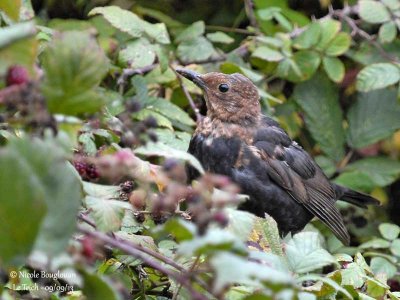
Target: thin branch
343, 15
126, 73
196, 261
181, 278
199, 117
229, 29
137, 247
249, 7
83, 217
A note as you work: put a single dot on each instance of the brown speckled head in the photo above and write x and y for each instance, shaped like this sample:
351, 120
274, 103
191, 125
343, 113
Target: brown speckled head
230, 98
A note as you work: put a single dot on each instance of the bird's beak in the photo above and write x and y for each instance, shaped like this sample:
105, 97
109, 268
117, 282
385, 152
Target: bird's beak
192, 76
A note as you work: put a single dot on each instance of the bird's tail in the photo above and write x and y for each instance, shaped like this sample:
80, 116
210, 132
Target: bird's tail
356, 198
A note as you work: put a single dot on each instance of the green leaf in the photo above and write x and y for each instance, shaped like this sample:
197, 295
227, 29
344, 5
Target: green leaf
318, 97
230, 68
353, 275
377, 76
326, 164
375, 244
158, 149
267, 54
212, 241
376, 289
220, 37
300, 67
339, 44
334, 68
169, 110
106, 213
326, 281
178, 139
309, 37
130, 23
11, 8
389, 231
395, 247
144, 113
355, 180
16, 32
381, 265
305, 253
137, 54
191, 32
45, 164
382, 171
392, 4
245, 272
329, 29
271, 234
71, 89
22, 206
196, 49
387, 32
373, 11
373, 117
96, 287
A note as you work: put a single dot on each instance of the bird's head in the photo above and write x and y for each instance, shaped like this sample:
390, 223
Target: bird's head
230, 98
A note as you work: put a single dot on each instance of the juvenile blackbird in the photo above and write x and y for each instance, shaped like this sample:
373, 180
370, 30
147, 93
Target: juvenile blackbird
235, 139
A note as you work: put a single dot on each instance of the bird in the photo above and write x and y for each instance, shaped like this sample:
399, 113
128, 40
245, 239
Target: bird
282, 180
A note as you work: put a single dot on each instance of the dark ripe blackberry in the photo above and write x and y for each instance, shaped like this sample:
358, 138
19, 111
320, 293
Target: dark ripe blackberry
359, 221
141, 127
193, 199
151, 122
17, 75
170, 163
152, 136
92, 172
80, 167
133, 106
127, 186
394, 285
140, 217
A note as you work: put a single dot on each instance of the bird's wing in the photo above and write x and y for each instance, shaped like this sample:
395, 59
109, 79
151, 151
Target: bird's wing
289, 166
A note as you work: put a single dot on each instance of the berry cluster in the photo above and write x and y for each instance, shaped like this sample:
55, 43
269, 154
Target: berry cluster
16, 75
86, 170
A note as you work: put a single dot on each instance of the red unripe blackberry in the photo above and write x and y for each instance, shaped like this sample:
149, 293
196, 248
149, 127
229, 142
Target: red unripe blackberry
88, 247
16, 75
80, 167
220, 218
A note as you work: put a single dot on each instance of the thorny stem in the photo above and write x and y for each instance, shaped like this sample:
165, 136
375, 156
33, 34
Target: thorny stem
137, 247
126, 73
193, 266
182, 278
343, 15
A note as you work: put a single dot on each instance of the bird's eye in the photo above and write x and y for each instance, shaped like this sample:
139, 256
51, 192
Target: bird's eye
223, 87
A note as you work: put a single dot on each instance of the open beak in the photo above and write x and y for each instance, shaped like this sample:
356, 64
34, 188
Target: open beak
192, 76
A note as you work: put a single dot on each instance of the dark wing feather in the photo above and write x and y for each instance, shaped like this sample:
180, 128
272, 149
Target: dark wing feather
293, 169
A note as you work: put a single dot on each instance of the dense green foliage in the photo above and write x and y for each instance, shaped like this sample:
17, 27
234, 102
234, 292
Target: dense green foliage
95, 124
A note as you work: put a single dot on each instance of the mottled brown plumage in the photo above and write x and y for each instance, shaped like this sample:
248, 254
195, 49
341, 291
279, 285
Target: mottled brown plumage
236, 140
